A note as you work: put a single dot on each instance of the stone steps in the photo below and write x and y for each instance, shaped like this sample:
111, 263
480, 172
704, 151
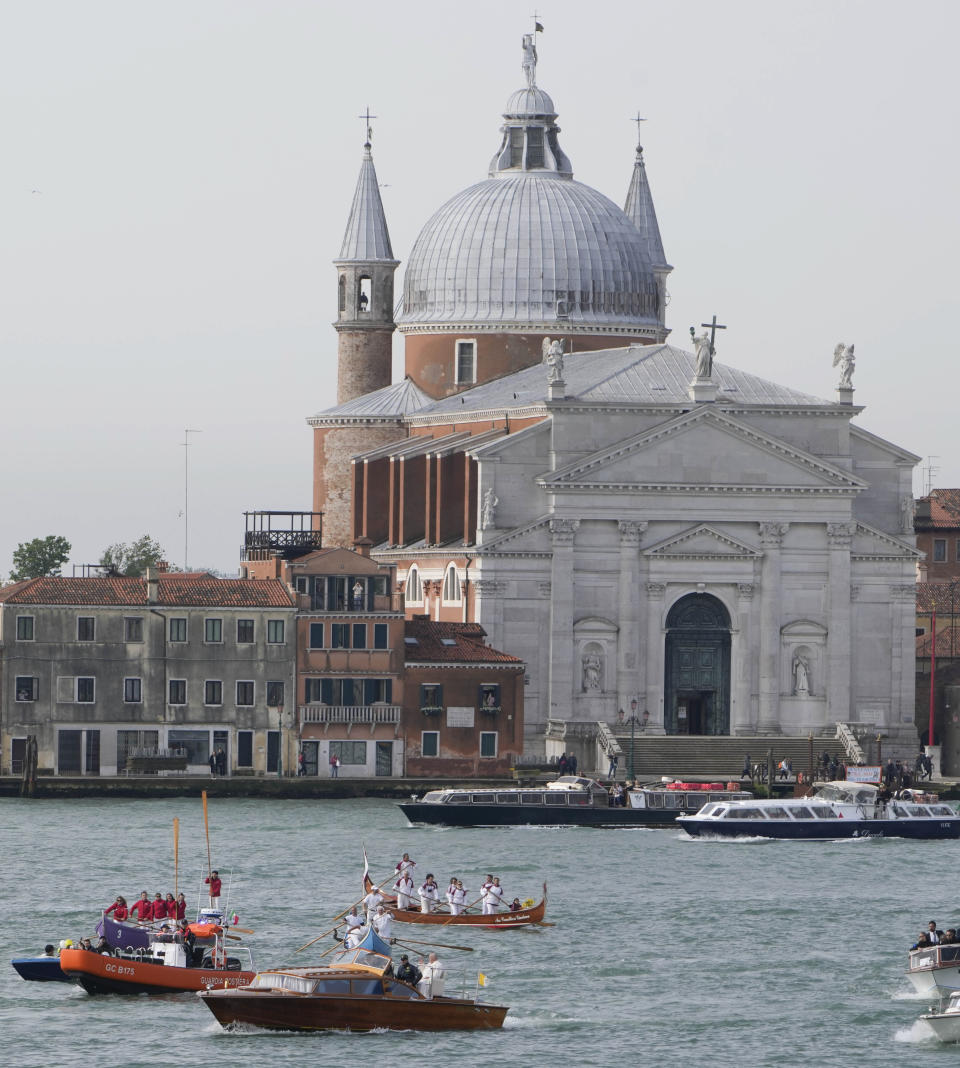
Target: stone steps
714, 757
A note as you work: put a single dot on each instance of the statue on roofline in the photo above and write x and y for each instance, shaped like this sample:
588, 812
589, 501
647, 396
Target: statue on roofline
843, 356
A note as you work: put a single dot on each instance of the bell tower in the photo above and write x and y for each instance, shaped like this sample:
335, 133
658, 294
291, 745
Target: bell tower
365, 270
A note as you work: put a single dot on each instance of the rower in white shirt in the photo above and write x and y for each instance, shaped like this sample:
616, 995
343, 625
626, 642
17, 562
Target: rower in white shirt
429, 894
495, 894
451, 890
458, 900
404, 863
371, 900
485, 894
405, 889
382, 923
353, 920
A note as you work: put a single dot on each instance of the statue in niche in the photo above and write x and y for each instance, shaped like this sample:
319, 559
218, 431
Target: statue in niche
844, 359
704, 354
488, 509
591, 672
553, 358
907, 507
529, 64
801, 675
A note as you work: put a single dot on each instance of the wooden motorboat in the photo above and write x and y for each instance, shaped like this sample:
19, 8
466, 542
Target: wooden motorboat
935, 969
355, 992
838, 809
165, 967
41, 969
525, 917
569, 801
945, 1020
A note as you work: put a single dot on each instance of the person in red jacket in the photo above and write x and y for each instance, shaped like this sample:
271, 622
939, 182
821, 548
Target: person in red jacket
171, 907
118, 908
142, 909
181, 907
159, 907
215, 886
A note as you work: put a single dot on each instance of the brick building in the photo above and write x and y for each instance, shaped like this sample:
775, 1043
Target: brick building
103, 669
463, 702
936, 522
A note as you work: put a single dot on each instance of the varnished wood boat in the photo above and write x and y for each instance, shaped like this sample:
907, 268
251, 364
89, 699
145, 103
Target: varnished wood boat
355, 992
500, 920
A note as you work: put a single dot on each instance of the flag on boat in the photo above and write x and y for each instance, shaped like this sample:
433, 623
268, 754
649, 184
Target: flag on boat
481, 979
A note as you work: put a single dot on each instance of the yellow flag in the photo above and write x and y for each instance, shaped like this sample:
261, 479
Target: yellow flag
481, 979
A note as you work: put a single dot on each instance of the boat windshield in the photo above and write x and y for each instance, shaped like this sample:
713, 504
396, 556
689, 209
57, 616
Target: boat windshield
434, 797
849, 793
364, 957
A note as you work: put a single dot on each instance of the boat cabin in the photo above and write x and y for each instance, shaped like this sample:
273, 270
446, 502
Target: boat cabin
332, 983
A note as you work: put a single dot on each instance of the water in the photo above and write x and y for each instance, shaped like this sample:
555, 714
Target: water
667, 951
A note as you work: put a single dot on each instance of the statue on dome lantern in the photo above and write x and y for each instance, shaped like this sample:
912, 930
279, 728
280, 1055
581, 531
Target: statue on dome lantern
529, 64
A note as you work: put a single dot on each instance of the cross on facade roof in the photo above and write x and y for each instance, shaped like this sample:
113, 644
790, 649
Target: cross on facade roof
366, 116
638, 120
713, 327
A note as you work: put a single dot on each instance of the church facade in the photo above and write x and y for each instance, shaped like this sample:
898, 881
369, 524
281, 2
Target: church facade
653, 531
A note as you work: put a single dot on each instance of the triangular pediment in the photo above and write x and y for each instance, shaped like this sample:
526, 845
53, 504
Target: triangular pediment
703, 450
705, 543
531, 538
872, 544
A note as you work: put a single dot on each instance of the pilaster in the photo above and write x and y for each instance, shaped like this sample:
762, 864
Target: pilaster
771, 538
655, 592
839, 540
562, 533
630, 659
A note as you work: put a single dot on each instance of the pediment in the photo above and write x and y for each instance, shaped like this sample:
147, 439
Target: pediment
872, 544
703, 450
531, 538
705, 543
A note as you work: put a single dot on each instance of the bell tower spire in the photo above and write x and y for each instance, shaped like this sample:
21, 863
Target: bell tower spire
639, 209
365, 269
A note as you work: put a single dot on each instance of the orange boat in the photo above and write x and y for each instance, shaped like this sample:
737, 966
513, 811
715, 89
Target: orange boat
164, 968
499, 920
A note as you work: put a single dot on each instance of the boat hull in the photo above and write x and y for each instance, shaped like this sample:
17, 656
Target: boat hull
946, 1025
496, 920
313, 1012
101, 974
935, 970
40, 969
821, 830
454, 815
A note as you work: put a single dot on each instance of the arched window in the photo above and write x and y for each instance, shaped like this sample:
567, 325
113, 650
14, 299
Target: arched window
364, 294
413, 590
451, 585
342, 293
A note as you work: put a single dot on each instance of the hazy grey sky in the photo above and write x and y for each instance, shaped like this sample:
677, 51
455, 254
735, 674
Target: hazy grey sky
177, 177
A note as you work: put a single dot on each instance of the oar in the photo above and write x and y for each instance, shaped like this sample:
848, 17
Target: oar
467, 909
176, 856
442, 945
340, 915
317, 939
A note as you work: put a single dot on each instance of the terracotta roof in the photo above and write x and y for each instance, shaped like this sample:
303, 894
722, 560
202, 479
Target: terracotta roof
948, 642
944, 510
939, 592
191, 589
450, 643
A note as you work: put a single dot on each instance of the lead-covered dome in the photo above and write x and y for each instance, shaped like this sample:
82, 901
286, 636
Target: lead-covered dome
530, 247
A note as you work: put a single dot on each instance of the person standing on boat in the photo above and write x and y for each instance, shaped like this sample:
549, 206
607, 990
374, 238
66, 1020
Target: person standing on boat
159, 906
933, 934
433, 977
405, 889
451, 890
407, 972
382, 923
181, 907
371, 901
215, 887
119, 909
405, 862
142, 909
459, 899
429, 894
490, 894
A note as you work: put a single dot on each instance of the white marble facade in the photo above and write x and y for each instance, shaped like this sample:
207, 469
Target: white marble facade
731, 568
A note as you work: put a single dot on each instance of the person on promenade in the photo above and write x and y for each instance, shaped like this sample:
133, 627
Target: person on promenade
213, 765
612, 770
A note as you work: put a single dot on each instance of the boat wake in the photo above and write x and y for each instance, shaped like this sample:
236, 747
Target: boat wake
918, 1033
909, 993
719, 839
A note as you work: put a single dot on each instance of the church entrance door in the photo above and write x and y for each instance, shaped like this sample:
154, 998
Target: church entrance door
697, 682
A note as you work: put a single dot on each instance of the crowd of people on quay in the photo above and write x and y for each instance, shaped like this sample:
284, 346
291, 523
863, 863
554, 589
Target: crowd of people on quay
933, 936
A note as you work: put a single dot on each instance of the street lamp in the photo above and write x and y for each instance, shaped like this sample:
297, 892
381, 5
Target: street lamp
633, 724
280, 751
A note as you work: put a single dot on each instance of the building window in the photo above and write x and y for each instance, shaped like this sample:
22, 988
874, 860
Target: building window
86, 629
316, 635
451, 585
133, 629
939, 550
26, 688
244, 749
430, 743
431, 698
196, 743
490, 697
413, 590
313, 691
24, 628
244, 632
245, 693
339, 635
213, 631
178, 692
132, 691
377, 690
349, 752
342, 293
958, 549
359, 636
213, 692
86, 690
488, 743
380, 636
466, 362
275, 631
178, 629
274, 694
364, 294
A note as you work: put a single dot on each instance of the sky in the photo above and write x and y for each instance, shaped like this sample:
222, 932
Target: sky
177, 179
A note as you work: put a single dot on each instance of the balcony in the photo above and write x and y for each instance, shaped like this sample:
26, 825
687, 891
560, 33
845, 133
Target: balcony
351, 714
431, 710
381, 602
490, 710
286, 534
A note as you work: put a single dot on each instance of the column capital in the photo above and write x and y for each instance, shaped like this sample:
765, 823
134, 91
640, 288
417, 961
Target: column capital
563, 530
745, 591
631, 532
840, 535
489, 587
656, 589
771, 534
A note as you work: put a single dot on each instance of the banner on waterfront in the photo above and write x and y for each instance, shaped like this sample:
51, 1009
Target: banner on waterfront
867, 773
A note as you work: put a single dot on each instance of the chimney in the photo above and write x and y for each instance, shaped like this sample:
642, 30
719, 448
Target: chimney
363, 546
153, 586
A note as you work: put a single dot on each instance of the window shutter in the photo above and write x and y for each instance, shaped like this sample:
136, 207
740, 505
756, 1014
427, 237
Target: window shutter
65, 689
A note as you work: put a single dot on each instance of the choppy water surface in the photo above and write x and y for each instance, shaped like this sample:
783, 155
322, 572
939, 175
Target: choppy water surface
666, 951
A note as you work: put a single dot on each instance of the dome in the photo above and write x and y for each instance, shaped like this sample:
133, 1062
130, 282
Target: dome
532, 101
524, 246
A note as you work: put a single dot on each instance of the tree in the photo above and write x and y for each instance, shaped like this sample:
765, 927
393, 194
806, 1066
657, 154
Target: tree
132, 559
41, 556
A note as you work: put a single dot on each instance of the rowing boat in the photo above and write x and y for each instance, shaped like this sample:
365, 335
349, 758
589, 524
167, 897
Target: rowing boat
524, 917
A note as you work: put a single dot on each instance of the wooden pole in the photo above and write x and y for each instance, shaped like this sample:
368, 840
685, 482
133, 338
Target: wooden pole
206, 827
442, 945
176, 856
465, 911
